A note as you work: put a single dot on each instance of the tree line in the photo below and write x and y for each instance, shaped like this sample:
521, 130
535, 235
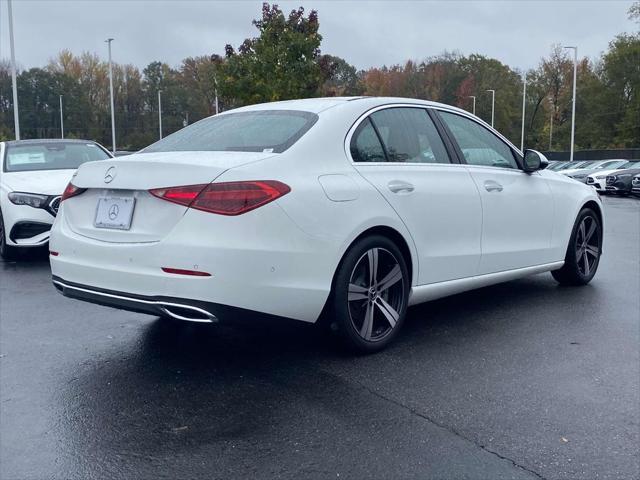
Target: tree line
284, 61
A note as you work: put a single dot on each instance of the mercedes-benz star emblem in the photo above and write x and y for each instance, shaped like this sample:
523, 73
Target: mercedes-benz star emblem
113, 211
110, 174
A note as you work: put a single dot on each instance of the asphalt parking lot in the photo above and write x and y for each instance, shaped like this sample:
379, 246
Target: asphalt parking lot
520, 380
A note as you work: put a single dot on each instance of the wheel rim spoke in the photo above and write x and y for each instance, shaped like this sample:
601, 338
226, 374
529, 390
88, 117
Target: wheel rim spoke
357, 292
393, 277
582, 231
388, 311
367, 325
593, 251
591, 231
586, 263
372, 255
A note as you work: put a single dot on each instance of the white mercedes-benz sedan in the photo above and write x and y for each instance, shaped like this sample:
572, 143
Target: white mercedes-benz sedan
347, 210
33, 174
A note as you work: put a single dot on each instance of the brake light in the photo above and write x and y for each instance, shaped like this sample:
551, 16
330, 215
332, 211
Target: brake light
225, 198
71, 191
180, 195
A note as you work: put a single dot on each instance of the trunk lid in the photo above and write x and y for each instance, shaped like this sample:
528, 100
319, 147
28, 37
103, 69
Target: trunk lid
128, 181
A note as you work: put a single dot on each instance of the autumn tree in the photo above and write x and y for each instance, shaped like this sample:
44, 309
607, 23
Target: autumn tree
280, 63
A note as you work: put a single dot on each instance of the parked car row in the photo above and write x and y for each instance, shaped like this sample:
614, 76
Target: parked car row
618, 176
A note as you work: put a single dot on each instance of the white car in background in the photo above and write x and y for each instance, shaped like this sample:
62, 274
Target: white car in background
598, 179
353, 208
33, 175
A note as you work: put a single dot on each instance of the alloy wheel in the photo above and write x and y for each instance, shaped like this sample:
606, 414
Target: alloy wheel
376, 294
587, 246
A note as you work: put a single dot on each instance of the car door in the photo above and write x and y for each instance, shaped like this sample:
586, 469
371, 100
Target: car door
517, 207
400, 151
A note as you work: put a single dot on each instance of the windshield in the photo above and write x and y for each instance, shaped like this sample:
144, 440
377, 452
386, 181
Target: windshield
612, 165
255, 131
51, 155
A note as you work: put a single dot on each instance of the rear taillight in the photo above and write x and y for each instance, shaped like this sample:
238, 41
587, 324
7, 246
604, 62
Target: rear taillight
71, 191
226, 198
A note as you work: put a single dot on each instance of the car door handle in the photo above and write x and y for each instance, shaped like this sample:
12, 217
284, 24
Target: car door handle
492, 186
397, 186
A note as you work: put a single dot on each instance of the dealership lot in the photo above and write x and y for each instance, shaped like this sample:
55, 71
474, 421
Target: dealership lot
520, 380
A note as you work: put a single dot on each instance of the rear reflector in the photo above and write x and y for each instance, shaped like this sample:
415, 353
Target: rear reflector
53, 254
180, 271
71, 191
225, 198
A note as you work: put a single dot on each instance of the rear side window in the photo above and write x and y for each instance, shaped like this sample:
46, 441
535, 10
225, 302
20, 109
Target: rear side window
365, 145
255, 131
479, 146
409, 136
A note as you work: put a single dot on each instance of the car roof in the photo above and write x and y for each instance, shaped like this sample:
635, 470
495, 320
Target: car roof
317, 105
46, 140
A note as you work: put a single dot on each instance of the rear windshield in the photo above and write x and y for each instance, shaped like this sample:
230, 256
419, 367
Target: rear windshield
256, 131
51, 156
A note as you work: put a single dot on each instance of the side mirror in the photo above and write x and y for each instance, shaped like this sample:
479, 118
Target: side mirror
533, 161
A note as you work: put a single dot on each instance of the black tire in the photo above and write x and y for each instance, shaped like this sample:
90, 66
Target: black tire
367, 316
583, 252
7, 252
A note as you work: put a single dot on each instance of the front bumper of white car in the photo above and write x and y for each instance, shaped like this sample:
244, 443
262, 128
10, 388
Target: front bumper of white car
26, 226
598, 183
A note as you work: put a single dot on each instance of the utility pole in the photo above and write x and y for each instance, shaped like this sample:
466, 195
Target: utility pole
160, 112
113, 120
493, 105
573, 107
524, 98
16, 115
61, 120
474, 103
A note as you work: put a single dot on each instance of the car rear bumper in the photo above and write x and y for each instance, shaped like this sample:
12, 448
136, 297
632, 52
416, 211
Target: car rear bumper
275, 269
178, 308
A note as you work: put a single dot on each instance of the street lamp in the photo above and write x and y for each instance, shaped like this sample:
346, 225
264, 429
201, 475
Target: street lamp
113, 120
160, 112
553, 113
16, 117
524, 97
474, 103
573, 107
61, 120
493, 105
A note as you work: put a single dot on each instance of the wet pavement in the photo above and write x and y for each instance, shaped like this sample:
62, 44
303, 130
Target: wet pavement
520, 380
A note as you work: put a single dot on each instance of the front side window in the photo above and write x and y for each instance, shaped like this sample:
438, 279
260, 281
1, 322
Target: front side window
51, 155
409, 136
253, 131
479, 146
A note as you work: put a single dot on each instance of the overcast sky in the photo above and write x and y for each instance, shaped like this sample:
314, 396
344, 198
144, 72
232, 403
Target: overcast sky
366, 34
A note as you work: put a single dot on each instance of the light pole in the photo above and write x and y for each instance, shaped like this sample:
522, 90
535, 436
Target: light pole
524, 98
553, 113
493, 105
16, 116
573, 107
474, 103
113, 120
160, 112
61, 120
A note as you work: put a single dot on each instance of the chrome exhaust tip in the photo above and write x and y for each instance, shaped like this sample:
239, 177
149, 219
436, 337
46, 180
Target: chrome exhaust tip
187, 313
